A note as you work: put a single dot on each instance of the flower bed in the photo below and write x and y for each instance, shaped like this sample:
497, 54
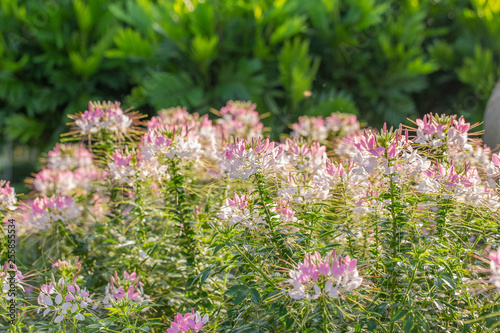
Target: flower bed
131, 223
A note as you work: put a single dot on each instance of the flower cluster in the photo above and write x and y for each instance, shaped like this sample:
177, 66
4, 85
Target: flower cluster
242, 159
435, 131
493, 172
128, 290
285, 214
179, 120
67, 182
328, 276
45, 210
8, 281
239, 119
302, 189
182, 181
69, 157
178, 143
104, 115
240, 211
190, 322
63, 299
495, 267
68, 268
121, 169
302, 156
319, 128
7, 196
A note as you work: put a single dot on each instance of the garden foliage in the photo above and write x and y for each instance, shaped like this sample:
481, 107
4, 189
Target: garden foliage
386, 59
184, 224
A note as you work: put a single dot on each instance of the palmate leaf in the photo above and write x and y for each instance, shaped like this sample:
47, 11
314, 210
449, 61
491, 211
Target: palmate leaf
83, 15
85, 66
19, 127
136, 13
479, 70
241, 80
291, 27
165, 90
332, 101
364, 13
130, 43
297, 69
204, 50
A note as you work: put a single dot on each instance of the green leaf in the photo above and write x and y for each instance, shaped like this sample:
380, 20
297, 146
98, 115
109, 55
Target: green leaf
372, 325
408, 323
255, 296
297, 69
130, 43
234, 289
83, 15
291, 27
240, 296
419, 66
240, 292
204, 49
241, 81
398, 315
19, 127
85, 67
169, 90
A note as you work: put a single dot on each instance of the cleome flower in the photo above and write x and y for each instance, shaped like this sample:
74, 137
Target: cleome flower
106, 115
302, 189
178, 118
171, 142
9, 280
434, 131
339, 122
242, 159
239, 119
493, 171
285, 215
311, 127
68, 268
240, 211
190, 322
327, 276
69, 157
495, 268
67, 182
7, 196
303, 156
121, 169
126, 291
45, 210
63, 299
319, 128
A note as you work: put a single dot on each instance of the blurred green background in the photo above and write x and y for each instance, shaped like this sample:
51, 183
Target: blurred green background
383, 60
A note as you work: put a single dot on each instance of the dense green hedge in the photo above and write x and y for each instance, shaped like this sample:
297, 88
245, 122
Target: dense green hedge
384, 59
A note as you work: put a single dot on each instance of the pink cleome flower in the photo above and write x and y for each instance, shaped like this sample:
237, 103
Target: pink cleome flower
7, 196
190, 322
103, 116
328, 276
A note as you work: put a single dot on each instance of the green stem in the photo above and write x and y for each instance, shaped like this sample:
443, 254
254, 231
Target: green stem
394, 248
264, 275
179, 211
276, 237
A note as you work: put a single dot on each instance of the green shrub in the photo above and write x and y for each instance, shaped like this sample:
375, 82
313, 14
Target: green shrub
385, 60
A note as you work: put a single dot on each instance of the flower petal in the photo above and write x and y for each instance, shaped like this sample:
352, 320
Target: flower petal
47, 300
66, 306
